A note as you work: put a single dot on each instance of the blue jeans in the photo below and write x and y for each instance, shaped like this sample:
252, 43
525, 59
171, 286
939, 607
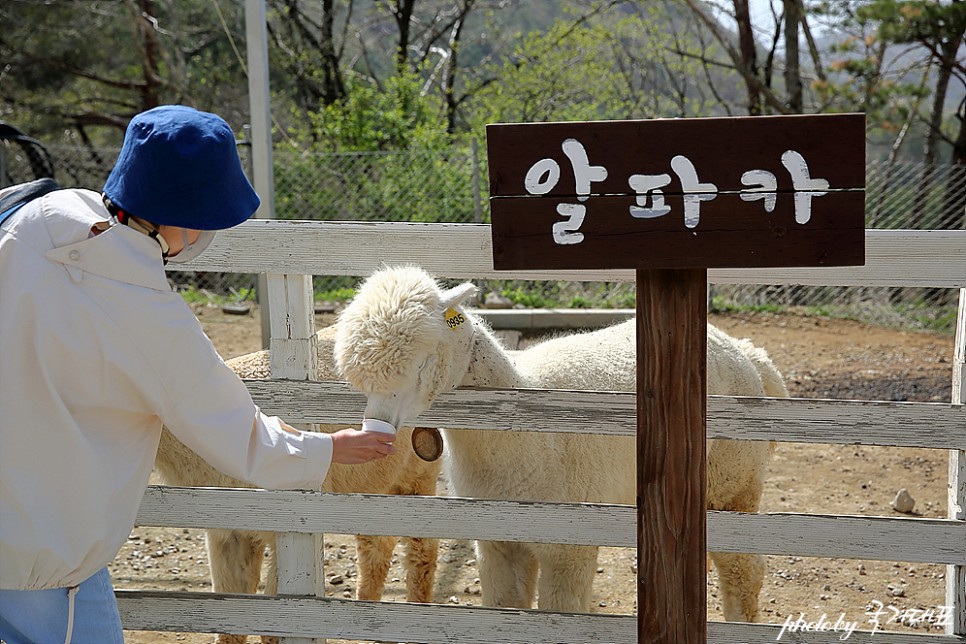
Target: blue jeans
44, 616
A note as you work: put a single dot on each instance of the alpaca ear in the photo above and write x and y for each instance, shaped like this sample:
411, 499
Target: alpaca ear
451, 298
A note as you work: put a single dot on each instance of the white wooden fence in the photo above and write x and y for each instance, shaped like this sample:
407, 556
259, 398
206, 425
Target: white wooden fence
289, 252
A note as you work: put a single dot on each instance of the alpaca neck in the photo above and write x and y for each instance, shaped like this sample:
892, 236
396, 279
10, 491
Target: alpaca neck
490, 364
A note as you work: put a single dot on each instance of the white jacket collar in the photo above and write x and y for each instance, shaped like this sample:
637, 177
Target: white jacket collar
118, 253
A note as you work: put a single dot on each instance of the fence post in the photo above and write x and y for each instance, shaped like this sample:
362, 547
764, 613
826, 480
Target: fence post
672, 320
294, 355
297, 568
259, 93
261, 282
956, 575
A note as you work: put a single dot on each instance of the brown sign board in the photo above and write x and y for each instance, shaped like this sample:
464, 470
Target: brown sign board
679, 193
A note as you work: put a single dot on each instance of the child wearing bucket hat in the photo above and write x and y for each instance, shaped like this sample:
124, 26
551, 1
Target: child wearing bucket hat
178, 168
99, 353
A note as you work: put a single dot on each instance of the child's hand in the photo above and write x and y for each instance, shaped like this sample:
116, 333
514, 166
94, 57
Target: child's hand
354, 447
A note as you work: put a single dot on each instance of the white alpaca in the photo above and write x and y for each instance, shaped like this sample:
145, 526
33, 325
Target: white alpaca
236, 555
403, 340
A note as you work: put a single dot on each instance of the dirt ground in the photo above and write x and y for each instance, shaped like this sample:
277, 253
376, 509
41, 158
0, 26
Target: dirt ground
820, 358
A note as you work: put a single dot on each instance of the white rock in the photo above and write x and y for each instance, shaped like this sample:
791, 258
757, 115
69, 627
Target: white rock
903, 502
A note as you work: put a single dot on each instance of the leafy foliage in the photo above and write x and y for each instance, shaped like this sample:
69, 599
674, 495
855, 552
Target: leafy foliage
76, 72
604, 67
890, 59
394, 116
362, 75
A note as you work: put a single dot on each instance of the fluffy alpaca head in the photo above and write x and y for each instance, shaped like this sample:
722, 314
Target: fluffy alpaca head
402, 340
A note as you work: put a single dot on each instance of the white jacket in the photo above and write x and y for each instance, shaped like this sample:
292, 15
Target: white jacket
96, 353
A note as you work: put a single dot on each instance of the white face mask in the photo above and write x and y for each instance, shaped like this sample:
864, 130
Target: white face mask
191, 251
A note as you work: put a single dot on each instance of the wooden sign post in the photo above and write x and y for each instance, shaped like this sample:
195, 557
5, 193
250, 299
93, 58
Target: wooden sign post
672, 198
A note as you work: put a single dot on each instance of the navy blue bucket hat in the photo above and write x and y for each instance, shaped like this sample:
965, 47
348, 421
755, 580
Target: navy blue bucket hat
179, 167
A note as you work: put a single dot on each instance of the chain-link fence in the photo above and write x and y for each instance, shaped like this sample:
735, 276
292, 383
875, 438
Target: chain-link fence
906, 195
451, 186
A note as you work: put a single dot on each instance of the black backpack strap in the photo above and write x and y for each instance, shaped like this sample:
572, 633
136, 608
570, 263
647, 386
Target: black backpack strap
21, 194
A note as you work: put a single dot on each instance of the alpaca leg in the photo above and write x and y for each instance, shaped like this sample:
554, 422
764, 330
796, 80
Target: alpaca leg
374, 554
508, 574
566, 577
236, 562
741, 577
421, 554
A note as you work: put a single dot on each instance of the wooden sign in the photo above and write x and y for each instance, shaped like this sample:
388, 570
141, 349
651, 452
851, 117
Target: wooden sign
672, 198
678, 193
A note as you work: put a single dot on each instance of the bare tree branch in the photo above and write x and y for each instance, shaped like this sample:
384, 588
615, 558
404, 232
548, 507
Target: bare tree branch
740, 65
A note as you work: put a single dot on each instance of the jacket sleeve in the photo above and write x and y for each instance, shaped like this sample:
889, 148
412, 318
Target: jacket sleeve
208, 408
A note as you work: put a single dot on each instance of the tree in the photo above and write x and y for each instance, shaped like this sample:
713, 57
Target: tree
932, 33
794, 16
610, 64
85, 69
309, 51
748, 50
938, 28
762, 97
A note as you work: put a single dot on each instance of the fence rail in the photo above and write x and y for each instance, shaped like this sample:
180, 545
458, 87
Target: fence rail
796, 420
918, 540
933, 258
288, 616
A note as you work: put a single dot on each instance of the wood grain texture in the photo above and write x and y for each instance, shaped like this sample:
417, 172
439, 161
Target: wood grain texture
721, 149
796, 420
809, 535
671, 478
731, 233
678, 193
433, 624
364, 620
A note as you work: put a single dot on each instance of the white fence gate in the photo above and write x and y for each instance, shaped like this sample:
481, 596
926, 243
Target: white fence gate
290, 252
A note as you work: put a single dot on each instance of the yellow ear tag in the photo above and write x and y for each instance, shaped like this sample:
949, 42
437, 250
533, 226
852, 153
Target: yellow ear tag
453, 318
